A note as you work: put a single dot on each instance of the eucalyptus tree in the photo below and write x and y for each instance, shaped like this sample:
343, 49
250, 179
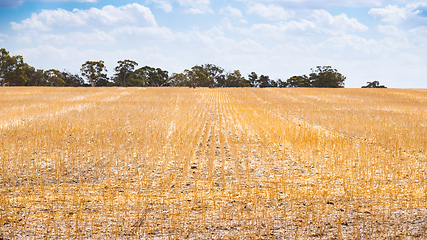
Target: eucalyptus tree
235, 79
179, 80
93, 71
374, 84
207, 75
149, 77
12, 69
327, 77
265, 81
4, 65
156, 76
54, 78
298, 81
123, 71
72, 80
36, 77
253, 79
321, 76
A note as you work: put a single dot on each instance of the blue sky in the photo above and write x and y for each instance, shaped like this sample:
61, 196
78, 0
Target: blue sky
365, 40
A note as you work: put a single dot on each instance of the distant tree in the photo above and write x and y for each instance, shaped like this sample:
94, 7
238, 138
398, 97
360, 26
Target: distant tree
273, 83
235, 79
54, 78
13, 70
253, 79
198, 77
374, 84
72, 80
214, 74
5, 64
222, 81
139, 78
207, 75
298, 81
17, 72
327, 77
123, 71
194, 76
93, 71
104, 81
149, 76
158, 77
179, 80
265, 81
281, 84
36, 77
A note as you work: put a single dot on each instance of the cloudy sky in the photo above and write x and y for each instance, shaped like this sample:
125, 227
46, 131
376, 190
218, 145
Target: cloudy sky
365, 40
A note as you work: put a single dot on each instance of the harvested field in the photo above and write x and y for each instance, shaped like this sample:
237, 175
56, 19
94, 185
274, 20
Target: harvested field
182, 163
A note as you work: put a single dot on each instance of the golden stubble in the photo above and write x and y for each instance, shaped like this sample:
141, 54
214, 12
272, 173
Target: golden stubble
161, 163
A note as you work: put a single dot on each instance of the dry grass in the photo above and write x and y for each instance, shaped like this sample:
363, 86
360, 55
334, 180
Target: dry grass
162, 163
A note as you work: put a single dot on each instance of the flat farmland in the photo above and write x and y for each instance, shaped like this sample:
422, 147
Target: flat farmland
237, 163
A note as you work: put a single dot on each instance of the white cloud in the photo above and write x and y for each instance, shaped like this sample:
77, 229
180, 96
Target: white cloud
95, 37
419, 37
390, 30
146, 33
317, 22
394, 14
111, 27
390, 14
319, 3
190, 6
231, 12
196, 6
356, 43
339, 23
271, 12
107, 17
48, 57
163, 4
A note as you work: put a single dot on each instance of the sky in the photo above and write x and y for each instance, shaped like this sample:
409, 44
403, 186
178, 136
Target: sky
365, 40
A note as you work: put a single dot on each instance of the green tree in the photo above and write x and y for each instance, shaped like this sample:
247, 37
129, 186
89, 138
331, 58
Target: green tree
196, 76
104, 81
199, 77
235, 79
93, 71
326, 76
5, 61
281, 83
149, 76
72, 80
298, 81
54, 78
139, 78
179, 80
374, 84
16, 76
253, 79
207, 75
265, 81
215, 74
35, 77
12, 69
123, 71
158, 77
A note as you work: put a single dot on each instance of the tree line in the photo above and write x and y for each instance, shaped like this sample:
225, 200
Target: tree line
15, 72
